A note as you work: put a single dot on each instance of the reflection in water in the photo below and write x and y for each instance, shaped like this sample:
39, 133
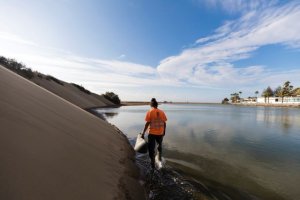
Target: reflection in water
110, 114
221, 177
250, 149
285, 117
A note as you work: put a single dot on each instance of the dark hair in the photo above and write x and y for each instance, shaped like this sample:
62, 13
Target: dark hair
154, 103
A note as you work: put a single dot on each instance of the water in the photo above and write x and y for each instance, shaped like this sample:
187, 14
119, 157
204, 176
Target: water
241, 152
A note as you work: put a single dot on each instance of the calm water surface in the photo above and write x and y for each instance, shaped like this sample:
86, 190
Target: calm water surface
255, 150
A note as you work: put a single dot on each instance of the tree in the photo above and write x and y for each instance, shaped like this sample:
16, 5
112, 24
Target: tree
296, 92
112, 97
256, 93
287, 89
267, 93
17, 67
234, 97
225, 101
3, 61
278, 92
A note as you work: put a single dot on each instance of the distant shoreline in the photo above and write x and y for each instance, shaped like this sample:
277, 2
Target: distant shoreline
134, 103
267, 105
142, 103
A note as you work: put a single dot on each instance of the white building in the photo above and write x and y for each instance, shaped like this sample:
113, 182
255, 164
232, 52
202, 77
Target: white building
278, 100
248, 100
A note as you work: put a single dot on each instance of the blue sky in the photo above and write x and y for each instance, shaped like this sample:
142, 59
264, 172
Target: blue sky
184, 50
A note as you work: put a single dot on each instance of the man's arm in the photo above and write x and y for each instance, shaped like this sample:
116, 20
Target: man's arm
165, 126
145, 128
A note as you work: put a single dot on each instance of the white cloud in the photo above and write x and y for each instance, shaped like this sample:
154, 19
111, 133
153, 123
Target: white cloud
210, 62
15, 38
122, 56
97, 75
233, 6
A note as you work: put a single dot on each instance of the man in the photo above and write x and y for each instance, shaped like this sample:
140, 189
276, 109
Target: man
156, 122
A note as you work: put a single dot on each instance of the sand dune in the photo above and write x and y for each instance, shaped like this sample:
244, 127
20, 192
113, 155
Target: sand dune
72, 94
52, 149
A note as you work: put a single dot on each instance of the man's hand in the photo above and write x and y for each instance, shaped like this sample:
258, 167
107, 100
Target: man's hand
145, 128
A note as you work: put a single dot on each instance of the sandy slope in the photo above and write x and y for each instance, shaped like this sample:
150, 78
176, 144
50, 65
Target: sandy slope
51, 149
72, 94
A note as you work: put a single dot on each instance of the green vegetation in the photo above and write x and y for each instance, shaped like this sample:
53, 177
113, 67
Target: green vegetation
27, 73
286, 90
277, 91
267, 93
24, 71
39, 75
225, 101
256, 93
51, 78
235, 97
81, 88
16, 67
112, 97
296, 92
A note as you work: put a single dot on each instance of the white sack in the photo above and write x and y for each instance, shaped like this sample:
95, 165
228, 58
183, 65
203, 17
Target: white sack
141, 145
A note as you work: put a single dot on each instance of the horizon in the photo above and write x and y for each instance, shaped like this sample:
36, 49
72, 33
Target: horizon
195, 51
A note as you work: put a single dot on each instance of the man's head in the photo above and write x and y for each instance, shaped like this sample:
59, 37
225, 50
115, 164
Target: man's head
153, 103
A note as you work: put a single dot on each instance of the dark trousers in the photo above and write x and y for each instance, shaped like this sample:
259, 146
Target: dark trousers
152, 140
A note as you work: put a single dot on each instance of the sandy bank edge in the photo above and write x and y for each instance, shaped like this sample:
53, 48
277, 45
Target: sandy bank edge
129, 188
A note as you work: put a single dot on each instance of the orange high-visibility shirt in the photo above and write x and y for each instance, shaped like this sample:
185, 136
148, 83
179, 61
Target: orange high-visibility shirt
157, 118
